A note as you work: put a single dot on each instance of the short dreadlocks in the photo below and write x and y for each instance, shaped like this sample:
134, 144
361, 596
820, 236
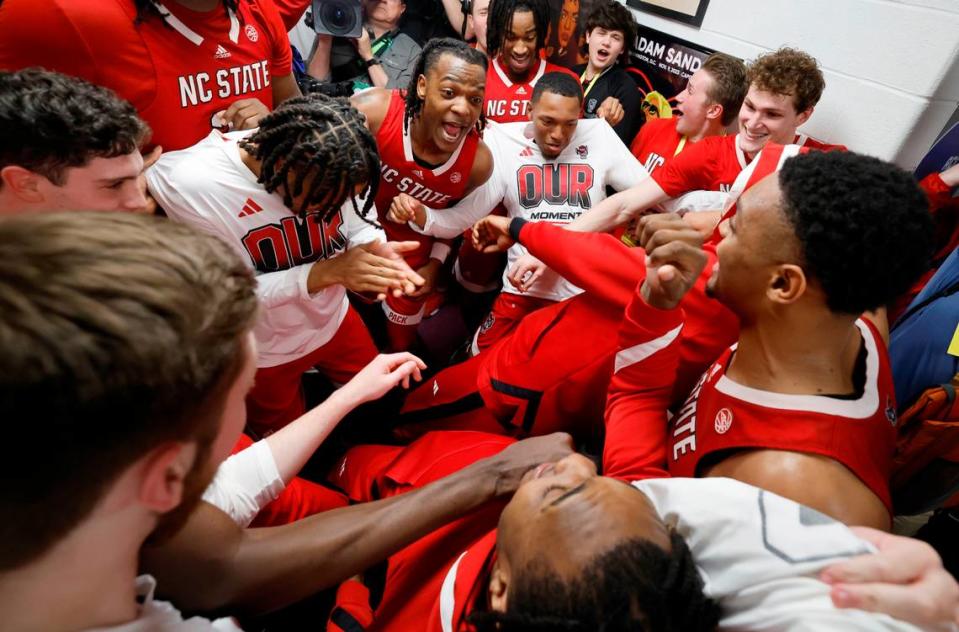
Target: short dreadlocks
430, 54
635, 587
322, 135
501, 19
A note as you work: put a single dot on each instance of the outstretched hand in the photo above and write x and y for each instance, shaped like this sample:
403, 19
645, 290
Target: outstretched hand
904, 579
382, 374
674, 258
491, 234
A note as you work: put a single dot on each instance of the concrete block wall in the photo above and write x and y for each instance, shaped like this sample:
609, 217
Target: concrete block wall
891, 66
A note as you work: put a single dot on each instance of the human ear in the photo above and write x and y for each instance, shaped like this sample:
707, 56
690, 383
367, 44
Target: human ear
787, 285
804, 116
165, 470
498, 586
24, 183
421, 86
714, 112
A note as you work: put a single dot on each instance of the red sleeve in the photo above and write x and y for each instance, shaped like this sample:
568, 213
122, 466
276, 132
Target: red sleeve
640, 392
938, 192
281, 61
597, 262
352, 610
291, 11
691, 170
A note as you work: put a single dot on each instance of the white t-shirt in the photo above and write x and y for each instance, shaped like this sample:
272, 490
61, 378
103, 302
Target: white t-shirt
760, 555
161, 616
208, 186
556, 190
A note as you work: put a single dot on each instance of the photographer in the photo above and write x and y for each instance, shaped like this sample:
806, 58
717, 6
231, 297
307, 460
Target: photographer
381, 57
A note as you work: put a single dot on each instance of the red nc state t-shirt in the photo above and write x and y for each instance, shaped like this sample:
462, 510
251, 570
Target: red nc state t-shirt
178, 71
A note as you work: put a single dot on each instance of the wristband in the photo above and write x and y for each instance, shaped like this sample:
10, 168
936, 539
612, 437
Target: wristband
372, 62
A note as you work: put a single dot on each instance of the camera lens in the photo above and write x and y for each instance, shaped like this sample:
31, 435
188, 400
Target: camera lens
338, 17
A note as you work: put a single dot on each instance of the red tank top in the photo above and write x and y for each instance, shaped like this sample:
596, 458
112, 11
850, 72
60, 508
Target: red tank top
437, 188
508, 102
860, 433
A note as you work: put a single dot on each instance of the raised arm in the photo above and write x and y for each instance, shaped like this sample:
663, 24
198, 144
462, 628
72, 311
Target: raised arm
213, 564
649, 339
619, 208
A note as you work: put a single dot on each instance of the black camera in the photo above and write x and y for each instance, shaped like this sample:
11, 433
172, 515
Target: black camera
342, 18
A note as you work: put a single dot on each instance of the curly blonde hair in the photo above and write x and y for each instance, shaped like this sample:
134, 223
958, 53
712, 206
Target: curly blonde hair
791, 72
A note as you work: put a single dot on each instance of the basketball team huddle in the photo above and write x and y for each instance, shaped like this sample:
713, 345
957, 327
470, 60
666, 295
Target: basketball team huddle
470, 353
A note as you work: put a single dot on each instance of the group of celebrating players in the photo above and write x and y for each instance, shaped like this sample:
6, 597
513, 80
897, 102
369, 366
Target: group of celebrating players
674, 409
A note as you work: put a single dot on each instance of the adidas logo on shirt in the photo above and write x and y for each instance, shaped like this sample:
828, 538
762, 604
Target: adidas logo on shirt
527, 151
521, 90
250, 208
221, 53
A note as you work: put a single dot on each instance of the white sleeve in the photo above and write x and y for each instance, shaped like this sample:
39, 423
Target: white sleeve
272, 288
359, 231
245, 483
626, 171
451, 222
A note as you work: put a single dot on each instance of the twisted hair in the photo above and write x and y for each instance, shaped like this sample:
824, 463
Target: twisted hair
501, 19
428, 57
320, 135
149, 9
636, 586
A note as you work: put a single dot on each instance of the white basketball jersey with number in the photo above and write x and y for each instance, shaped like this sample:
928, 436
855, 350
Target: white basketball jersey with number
760, 555
209, 187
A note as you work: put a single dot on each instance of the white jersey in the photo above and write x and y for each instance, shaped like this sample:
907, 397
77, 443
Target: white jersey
760, 555
161, 616
209, 187
556, 190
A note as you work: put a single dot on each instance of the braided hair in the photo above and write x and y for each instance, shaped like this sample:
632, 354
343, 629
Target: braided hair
635, 587
501, 20
428, 57
148, 8
320, 135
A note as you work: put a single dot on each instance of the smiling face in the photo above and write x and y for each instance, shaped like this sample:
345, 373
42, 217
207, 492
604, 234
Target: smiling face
563, 515
452, 91
765, 117
519, 51
757, 241
605, 47
554, 122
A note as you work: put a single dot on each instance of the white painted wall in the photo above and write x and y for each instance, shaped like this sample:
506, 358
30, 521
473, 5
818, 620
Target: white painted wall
891, 66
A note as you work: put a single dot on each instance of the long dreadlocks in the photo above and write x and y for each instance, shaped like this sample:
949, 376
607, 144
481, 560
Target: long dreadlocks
148, 8
319, 135
501, 19
430, 54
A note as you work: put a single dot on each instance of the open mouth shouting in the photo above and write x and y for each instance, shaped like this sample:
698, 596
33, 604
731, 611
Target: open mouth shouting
451, 131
